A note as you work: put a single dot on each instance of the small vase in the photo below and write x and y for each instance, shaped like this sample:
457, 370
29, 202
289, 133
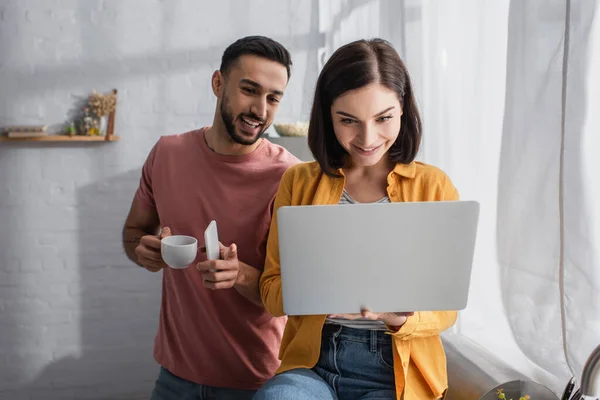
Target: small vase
103, 125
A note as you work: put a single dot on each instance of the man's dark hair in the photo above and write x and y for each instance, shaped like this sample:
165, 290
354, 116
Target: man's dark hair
351, 67
259, 46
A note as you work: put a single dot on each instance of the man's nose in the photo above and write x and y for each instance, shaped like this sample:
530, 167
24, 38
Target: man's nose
259, 108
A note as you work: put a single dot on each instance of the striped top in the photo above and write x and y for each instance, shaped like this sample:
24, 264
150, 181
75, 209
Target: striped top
358, 323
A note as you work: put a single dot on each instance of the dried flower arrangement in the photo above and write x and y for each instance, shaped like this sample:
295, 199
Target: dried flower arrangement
102, 104
93, 118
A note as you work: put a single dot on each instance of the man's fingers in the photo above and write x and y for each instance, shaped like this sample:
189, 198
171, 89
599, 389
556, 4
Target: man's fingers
230, 252
218, 279
206, 265
166, 231
226, 252
149, 253
219, 276
220, 265
150, 241
148, 263
219, 285
152, 266
149, 258
223, 273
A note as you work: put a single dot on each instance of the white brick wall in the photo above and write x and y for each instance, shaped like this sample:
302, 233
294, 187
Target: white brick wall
77, 319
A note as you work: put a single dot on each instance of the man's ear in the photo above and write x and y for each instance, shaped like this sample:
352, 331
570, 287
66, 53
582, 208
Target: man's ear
218, 82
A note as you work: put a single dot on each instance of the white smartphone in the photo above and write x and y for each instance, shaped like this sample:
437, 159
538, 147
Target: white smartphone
211, 241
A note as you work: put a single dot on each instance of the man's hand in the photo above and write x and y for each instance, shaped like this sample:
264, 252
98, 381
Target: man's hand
148, 251
223, 273
391, 319
229, 272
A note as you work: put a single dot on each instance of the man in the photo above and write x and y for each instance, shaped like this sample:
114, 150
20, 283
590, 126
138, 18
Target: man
215, 339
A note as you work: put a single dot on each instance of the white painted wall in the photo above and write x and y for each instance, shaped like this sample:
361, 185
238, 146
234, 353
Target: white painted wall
77, 319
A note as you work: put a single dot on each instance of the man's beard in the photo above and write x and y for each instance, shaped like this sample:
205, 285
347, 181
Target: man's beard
229, 122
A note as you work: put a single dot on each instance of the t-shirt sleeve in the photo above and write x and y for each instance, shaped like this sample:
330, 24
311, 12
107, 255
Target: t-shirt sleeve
144, 191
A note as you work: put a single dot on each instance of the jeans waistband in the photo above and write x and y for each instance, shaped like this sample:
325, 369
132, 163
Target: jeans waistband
355, 335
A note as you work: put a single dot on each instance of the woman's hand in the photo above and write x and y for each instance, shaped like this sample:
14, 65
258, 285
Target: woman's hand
394, 320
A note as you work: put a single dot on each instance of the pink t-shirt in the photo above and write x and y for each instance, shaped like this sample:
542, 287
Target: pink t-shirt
214, 337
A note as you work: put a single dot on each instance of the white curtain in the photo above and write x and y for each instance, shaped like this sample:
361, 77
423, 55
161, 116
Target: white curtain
581, 186
510, 95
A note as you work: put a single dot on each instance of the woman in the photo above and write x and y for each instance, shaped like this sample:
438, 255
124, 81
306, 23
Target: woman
364, 133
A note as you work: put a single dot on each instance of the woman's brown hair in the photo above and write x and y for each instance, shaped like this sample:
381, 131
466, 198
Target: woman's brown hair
351, 67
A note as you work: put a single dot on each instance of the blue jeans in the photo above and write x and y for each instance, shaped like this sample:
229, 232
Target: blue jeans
354, 364
172, 387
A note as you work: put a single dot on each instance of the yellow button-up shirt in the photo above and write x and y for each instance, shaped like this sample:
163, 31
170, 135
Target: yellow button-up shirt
419, 358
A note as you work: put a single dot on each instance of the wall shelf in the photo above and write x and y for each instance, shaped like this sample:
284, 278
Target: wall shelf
61, 138
65, 138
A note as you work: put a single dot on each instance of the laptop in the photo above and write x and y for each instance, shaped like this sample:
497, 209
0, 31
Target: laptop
387, 257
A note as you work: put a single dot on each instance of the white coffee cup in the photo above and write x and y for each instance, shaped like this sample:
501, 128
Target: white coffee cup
179, 251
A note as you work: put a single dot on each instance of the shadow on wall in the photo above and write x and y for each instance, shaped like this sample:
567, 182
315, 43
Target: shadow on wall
119, 307
119, 301
528, 193
12, 283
